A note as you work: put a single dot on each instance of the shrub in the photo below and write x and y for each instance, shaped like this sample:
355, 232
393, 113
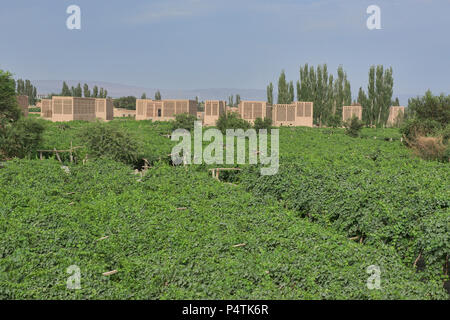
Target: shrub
21, 138
9, 110
415, 127
103, 141
353, 127
262, 124
184, 121
335, 121
231, 121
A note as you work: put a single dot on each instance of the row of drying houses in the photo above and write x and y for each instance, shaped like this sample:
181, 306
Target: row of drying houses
298, 113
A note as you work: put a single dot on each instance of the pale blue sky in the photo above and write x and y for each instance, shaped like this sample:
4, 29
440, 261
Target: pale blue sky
191, 44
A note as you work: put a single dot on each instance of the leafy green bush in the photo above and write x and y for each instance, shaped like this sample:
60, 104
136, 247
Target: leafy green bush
353, 127
335, 121
414, 128
184, 121
21, 138
231, 120
103, 141
9, 109
262, 124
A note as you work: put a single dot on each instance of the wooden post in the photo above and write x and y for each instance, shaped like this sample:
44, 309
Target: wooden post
71, 155
57, 155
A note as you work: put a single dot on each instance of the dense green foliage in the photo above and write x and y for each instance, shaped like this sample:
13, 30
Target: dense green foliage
231, 120
427, 131
9, 109
146, 136
18, 137
367, 188
125, 103
430, 107
184, 121
27, 89
376, 103
337, 206
21, 138
262, 124
353, 127
172, 235
105, 141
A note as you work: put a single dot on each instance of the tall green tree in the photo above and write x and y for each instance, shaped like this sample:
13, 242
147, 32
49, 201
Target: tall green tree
157, 95
291, 92
371, 103
87, 92
270, 93
231, 101
66, 92
238, 100
78, 91
283, 90
95, 92
144, 96
388, 90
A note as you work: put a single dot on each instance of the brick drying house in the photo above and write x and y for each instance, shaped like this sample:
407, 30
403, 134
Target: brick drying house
104, 109
23, 104
297, 113
213, 110
349, 112
73, 108
123, 113
396, 114
164, 110
251, 110
46, 109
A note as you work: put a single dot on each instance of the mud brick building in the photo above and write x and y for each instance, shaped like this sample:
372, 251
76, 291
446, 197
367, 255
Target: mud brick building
73, 108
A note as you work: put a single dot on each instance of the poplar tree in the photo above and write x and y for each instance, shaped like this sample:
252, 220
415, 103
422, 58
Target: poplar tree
87, 92
144, 96
283, 94
65, 90
157, 95
371, 97
291, 92
95, 92
270, 93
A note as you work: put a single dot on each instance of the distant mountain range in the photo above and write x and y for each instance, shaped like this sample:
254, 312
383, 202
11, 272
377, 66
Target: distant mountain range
116, 90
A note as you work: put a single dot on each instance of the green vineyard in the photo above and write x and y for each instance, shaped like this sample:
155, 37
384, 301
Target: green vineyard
337, 206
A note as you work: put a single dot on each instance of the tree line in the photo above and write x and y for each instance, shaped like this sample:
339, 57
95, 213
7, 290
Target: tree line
329, 93
85, 91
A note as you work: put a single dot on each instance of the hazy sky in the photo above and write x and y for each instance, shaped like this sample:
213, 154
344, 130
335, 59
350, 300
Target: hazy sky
192, 44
